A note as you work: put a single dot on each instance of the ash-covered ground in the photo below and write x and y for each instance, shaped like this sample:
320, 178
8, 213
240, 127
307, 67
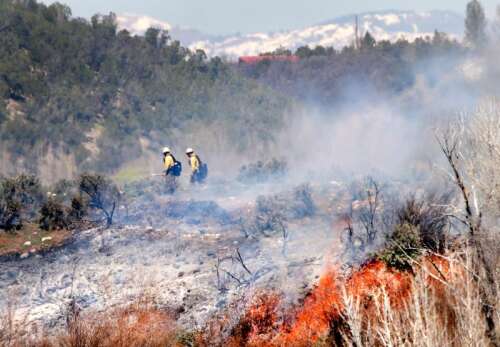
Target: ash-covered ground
194, 252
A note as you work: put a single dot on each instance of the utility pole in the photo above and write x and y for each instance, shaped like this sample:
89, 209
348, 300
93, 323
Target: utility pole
356, 33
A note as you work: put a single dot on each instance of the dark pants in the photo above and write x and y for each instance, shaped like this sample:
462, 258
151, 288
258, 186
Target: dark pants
196, 177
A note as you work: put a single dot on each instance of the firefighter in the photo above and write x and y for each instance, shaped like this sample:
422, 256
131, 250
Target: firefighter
173, 169
168, 161
197, 167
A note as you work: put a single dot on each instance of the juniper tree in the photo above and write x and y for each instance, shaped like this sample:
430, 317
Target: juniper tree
475, 24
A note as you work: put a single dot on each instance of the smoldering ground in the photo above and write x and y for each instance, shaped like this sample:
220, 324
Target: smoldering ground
198, 262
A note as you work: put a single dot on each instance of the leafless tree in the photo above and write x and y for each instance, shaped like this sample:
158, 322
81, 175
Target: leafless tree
368, 216
102, 193
471, 146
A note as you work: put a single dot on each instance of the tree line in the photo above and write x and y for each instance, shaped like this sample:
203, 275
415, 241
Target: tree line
68, 82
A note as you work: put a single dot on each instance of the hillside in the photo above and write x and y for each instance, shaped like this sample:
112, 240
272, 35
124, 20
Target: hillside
79, 94
82, 95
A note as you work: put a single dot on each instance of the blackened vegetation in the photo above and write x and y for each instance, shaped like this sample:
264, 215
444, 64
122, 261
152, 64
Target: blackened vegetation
263, 171
103, 195
66, 205
20, 198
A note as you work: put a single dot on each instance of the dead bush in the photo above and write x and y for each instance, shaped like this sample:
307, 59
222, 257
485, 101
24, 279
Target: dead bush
102, 195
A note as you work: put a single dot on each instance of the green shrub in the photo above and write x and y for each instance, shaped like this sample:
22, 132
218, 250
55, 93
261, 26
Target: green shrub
430, 216
403, 245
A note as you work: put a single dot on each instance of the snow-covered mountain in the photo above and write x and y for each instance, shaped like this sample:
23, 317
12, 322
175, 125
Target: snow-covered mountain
339, 32
138, 24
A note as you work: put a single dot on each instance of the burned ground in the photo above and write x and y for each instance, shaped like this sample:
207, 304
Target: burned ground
190, 254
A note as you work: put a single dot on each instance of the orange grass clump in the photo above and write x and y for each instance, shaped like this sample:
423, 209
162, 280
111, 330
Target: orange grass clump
133, 326
312, 322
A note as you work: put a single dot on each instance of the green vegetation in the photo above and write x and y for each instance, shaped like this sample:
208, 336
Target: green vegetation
402, 246
326, 76
85, 89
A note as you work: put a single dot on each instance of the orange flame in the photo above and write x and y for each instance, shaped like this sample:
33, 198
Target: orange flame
312, 321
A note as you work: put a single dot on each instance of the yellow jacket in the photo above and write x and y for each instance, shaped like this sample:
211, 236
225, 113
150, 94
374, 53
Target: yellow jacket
194, 162
168, 162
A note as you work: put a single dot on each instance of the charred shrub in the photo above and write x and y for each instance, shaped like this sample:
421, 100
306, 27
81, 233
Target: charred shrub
78, 210
403, 245
270, 214
20, 199
263, 171
269, 217
102, 195
53, 215
303, 202
10, 214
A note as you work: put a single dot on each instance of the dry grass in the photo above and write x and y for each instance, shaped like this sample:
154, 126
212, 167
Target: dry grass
138, 325
444, 309
14, 242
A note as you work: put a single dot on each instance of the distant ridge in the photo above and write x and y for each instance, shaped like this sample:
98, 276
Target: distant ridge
383, 25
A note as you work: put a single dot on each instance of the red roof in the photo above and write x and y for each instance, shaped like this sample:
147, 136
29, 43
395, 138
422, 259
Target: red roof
259, 58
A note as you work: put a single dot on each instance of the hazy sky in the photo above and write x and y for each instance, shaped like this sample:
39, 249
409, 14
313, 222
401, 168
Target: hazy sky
230, 16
